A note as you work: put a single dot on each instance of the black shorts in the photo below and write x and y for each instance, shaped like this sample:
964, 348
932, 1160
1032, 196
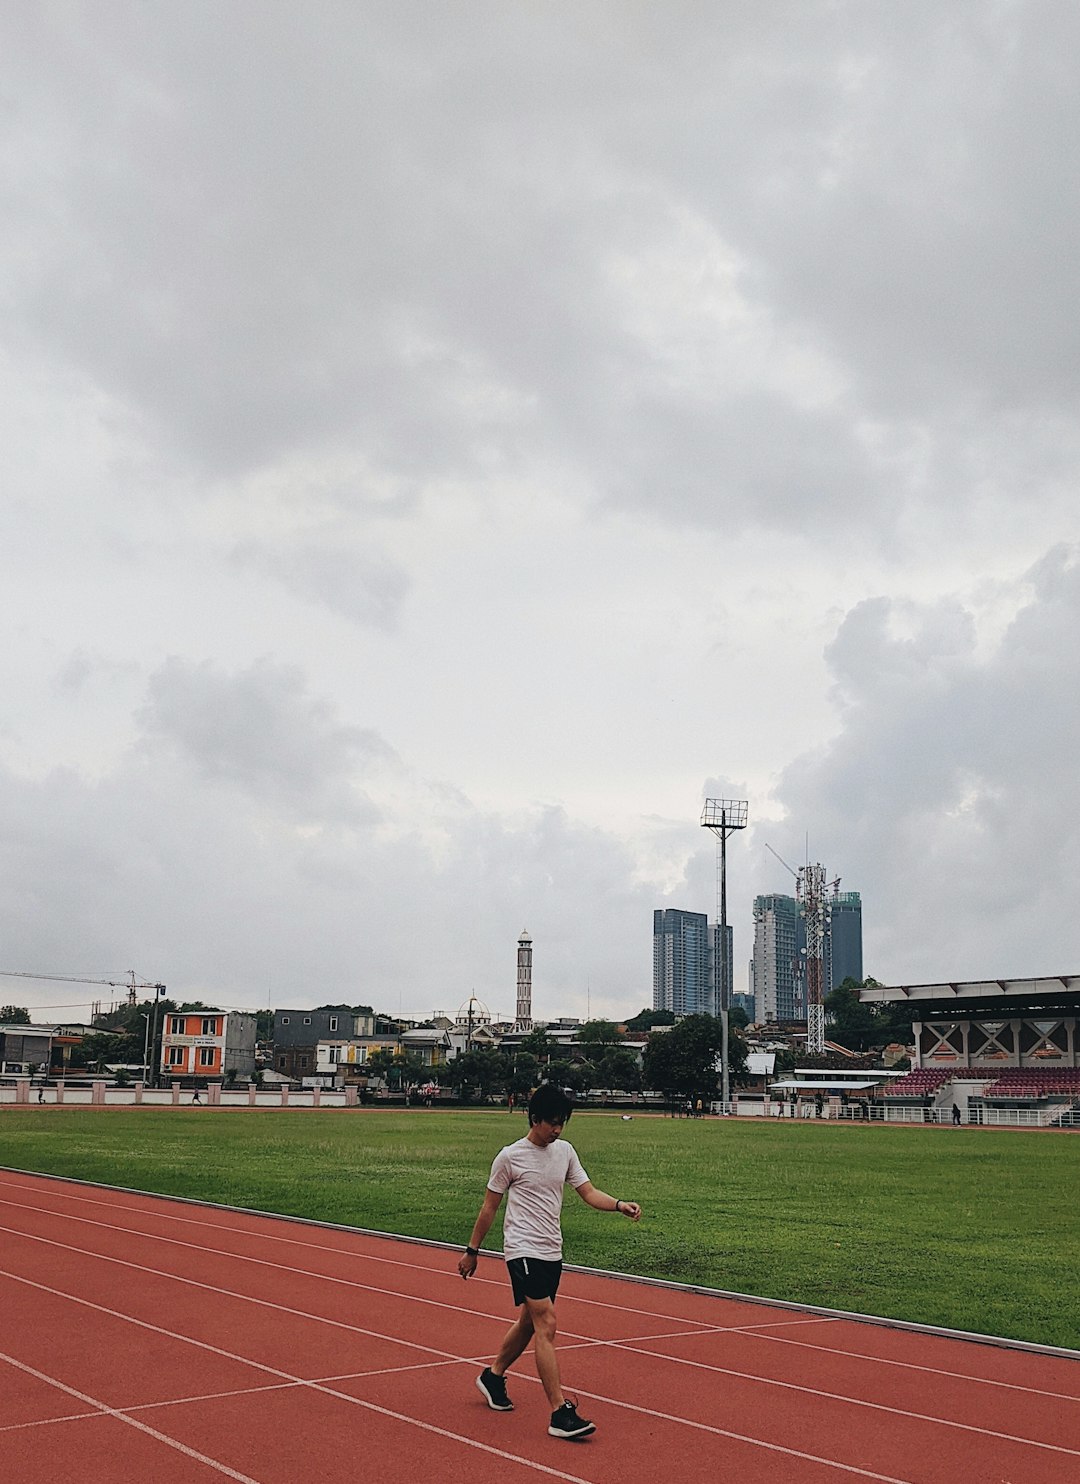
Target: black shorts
532, 1277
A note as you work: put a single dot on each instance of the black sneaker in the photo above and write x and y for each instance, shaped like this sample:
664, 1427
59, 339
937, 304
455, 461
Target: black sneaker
565, 1423
493, 1388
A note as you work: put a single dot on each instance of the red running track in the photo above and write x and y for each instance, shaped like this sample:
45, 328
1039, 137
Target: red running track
148, 1337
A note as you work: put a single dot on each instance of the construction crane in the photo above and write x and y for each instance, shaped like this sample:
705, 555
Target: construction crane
131, 983
810, 893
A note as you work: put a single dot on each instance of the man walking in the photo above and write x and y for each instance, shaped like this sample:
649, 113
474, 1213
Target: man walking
531, 1173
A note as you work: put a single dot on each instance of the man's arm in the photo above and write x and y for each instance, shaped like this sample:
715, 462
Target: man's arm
492, 1200
601, 1201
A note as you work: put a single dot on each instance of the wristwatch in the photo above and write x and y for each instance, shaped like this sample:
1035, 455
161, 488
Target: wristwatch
472, 1251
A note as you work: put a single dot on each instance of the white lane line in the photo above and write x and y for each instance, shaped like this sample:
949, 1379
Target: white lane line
613, 1344
240, 1231
104, 1410
911, 1365
752, 1332
749, 1329
216, 1396
566, 1334
754, 1377
442, 1432
263, 1262
584, 1342
270, 1370
719, 1370
48, 1421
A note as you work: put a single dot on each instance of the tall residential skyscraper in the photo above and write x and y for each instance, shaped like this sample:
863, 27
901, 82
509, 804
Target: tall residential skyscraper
778, 937
777, 970
843, 941
715, 980
681, 980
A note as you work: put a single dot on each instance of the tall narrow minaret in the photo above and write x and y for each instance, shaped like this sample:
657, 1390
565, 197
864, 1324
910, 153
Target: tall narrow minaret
524, 983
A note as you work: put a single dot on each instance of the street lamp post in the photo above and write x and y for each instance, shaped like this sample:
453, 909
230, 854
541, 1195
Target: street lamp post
723, 817
159, 990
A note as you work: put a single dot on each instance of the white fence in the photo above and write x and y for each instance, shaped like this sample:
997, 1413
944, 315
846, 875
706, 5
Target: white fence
1057, 1115
84, 1095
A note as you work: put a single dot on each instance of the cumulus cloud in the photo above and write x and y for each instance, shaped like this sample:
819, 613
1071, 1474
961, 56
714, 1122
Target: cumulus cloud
359, 239
273, 885
360, 586
950, 794
437, 439
262, 731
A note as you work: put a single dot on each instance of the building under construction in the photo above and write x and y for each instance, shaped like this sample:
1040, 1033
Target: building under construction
779, 977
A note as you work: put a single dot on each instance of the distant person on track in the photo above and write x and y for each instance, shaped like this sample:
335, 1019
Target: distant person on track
197, 1096
531, 1173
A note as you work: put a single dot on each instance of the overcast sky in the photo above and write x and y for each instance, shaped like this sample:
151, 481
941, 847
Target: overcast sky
444, 443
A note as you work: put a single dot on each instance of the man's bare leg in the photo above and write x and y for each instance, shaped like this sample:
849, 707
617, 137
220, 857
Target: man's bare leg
517, 1339
542, 1318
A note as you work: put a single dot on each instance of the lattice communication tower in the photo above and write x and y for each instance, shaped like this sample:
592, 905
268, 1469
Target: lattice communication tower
810, 892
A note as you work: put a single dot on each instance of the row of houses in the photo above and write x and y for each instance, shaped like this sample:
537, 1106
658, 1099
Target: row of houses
334, 1046
316, 1046
202, 1044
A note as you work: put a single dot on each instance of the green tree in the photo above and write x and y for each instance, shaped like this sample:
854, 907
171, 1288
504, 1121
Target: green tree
865, 1026
619, 1069
850, 1022
539, 1044
596, 1036
524, 1076
95, 1050
479, 1072
558, 1071
646, 1019
382, 1063
686, 1059
737, 1018
580, 1076
14, 1015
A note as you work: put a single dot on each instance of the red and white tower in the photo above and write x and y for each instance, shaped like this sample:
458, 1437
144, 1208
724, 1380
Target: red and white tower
810, 891
523, 1021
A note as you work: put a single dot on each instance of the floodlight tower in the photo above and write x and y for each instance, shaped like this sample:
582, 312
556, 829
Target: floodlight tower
810, 891
723, 817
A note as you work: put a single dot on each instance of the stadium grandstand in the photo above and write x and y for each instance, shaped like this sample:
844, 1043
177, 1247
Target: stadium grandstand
1001, 1051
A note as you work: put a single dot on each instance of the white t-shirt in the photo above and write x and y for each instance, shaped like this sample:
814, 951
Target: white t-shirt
532, 1179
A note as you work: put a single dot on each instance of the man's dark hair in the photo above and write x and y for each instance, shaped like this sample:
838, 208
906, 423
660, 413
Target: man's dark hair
549, 1104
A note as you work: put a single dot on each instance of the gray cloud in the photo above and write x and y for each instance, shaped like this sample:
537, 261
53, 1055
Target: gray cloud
262, 731
950, 794
217, 891
590, 365
403, 237
362, 587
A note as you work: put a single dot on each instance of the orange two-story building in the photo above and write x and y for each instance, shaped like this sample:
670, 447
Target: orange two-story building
193, 1044
208, 1043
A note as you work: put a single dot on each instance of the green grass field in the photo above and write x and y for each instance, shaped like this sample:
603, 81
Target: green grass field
976, 1229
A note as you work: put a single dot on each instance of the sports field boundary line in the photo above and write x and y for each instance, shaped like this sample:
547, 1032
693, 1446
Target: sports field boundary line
882, 1321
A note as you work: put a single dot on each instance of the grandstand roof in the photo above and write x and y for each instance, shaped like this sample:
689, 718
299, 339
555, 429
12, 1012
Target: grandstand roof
978, 998
822, 1086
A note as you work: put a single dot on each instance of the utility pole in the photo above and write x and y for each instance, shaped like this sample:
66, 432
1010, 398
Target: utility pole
723, 817
159, 990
